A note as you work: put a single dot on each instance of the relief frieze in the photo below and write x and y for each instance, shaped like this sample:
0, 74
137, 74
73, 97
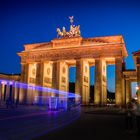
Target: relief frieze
104, 78
47, 80
85, 79
63, 79
32, 80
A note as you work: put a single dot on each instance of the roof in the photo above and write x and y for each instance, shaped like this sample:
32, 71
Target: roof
136, 53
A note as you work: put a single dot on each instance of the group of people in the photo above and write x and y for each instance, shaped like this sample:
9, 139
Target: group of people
132, 115
10, 103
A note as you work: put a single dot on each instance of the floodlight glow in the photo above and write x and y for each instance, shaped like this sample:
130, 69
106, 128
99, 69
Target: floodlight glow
3, 82
10, 83
137, 87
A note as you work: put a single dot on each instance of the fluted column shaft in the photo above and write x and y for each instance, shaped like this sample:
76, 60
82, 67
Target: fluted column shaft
82, 86
100, 86
118, 81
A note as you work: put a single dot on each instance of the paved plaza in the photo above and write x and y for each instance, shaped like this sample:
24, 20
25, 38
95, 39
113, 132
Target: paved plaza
35, 123
27, 122
95, 124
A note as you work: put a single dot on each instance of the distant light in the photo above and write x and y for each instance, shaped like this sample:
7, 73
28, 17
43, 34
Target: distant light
10, 83
3, 82
137, 87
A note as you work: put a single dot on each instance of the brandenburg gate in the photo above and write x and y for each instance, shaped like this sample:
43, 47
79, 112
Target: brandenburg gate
47, 64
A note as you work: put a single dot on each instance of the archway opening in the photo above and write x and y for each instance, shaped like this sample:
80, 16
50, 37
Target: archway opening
134, 90
72, 79
92, 74
110, 84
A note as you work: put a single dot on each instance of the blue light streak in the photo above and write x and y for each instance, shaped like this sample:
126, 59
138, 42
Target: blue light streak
44, 90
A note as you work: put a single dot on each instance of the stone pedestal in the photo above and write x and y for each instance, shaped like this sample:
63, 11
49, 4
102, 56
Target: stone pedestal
100, 86
82, 86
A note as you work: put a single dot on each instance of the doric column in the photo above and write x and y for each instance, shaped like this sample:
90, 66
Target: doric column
118, 81
24, 79
7, 91
79, 77
39, 82
123, 85
2, 91
60, 80
47, 74
138, 77
60, 75
39, 73
56, 75
64, 76
100, 86
12, 91
16, 92
128, 91
82, 86
35, 78
24, 72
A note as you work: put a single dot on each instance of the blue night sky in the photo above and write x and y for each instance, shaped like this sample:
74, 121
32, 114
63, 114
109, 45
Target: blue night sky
32, 21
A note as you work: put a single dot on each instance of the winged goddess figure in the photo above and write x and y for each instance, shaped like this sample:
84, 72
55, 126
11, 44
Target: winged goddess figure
71, 19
